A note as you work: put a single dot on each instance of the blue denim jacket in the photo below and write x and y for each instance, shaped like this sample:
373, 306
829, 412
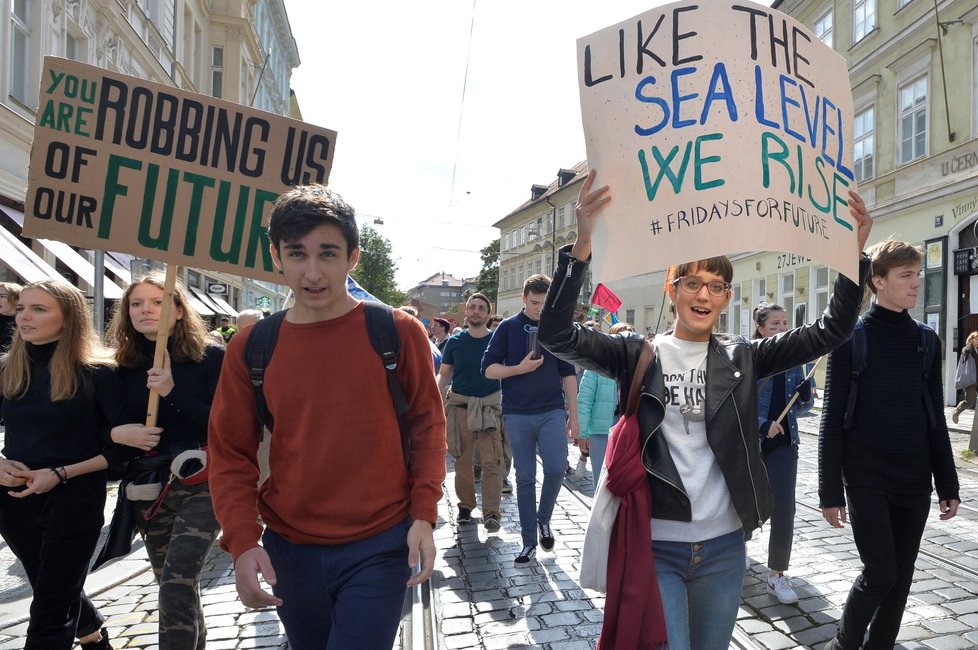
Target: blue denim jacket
793, 377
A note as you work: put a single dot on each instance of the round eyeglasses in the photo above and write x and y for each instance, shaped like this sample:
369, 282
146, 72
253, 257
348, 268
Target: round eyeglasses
692, 284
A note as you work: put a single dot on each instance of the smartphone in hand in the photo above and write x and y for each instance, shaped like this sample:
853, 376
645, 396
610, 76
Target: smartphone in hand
533, 344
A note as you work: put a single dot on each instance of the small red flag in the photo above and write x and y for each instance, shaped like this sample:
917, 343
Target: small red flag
603, 297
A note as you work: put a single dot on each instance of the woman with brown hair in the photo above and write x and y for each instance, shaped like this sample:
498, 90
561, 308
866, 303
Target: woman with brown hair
968, 352
176, 519
59, 398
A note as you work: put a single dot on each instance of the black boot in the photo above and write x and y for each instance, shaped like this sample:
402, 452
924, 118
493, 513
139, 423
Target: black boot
101, 644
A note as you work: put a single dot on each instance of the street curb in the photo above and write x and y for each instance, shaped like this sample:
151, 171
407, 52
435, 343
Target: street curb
14, 612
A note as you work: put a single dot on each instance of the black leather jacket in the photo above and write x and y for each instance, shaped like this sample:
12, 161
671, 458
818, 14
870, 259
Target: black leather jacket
733, 366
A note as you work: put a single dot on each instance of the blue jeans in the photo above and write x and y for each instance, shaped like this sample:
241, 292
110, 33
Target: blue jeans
700, 585
347, 596
597, 445
782, 471
546, 433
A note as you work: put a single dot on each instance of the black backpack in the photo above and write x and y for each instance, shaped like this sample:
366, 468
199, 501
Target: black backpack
383, 335
859, 354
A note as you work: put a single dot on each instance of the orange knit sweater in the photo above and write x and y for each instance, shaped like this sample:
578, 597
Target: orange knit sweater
337, 467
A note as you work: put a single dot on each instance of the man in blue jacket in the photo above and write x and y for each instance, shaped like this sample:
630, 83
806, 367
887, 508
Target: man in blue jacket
539, 412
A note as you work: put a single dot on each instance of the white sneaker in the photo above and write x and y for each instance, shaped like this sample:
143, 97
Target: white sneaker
780, 588
581, 470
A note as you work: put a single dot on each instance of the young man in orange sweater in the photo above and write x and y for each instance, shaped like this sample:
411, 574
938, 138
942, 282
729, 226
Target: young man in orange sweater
345, 516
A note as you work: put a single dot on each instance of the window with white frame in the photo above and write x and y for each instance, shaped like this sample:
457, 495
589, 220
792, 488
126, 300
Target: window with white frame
903, 3
217, 72
820, 289
573, 215
734, 322
760, 291
20, 41
787, 293
913, 119
522, 235
560, 218
863, 19
76, 48
823, 27
863, 144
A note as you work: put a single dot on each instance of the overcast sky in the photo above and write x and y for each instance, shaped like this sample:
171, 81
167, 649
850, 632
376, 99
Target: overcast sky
388, 77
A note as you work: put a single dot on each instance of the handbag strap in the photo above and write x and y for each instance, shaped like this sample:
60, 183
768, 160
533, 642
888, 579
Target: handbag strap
638, 379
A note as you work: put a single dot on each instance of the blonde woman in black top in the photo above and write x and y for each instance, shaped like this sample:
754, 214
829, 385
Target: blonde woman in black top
59, 397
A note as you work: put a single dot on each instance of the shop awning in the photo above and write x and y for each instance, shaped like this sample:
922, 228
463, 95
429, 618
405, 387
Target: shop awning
210, 302
198, 306
121, 271
82, 267
22, 260
223, 304
71, 258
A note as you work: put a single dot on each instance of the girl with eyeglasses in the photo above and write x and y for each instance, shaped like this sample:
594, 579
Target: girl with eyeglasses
698, 440
779, 448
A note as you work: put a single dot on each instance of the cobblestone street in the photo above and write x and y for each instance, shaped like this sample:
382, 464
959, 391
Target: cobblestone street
482, 601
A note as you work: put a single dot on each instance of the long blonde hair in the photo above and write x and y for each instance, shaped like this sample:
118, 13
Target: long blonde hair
188, 338
77, 346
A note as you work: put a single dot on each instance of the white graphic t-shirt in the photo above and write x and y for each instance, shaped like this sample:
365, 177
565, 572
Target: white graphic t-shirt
684, 428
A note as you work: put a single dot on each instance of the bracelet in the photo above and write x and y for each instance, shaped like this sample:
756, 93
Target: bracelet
61, 473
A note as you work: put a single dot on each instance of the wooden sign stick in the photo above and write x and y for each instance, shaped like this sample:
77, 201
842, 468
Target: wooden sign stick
162, 334
794, 398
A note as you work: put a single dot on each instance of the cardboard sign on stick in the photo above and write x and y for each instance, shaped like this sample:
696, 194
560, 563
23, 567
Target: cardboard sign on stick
121, 163
721, 127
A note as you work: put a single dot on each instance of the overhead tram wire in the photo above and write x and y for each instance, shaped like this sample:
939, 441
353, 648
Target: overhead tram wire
461, 108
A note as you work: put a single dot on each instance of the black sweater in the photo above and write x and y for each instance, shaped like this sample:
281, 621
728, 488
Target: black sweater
891, 446
43, 433
184, 412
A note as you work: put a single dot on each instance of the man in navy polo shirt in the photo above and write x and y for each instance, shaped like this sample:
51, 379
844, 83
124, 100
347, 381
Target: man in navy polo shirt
539, 412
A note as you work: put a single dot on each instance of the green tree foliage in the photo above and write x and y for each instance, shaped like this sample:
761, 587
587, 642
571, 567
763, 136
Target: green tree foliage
375, 271
487, 281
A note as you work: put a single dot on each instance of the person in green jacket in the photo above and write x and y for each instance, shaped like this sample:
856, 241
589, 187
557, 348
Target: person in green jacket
597, 410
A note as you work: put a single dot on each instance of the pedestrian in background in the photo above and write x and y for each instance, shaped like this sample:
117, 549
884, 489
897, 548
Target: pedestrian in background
474, 415
440, 330
969, 354
248, 317
539, 413
60, 397
708, 484
9, 294
598, 408
886, 451
349, 507
178, 525
779, 449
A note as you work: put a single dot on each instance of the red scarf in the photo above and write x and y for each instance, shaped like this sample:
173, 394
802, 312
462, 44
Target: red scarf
633, 618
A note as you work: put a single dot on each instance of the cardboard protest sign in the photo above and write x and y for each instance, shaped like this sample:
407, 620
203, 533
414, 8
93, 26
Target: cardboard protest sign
721, 127
120, 163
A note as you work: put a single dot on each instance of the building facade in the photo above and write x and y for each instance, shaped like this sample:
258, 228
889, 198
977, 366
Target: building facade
912, 67
440, 295
238, 50
533, 233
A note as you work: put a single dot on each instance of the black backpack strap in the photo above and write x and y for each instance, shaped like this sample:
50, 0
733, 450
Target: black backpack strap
857, 355
383, 336
257, 353
928, 350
